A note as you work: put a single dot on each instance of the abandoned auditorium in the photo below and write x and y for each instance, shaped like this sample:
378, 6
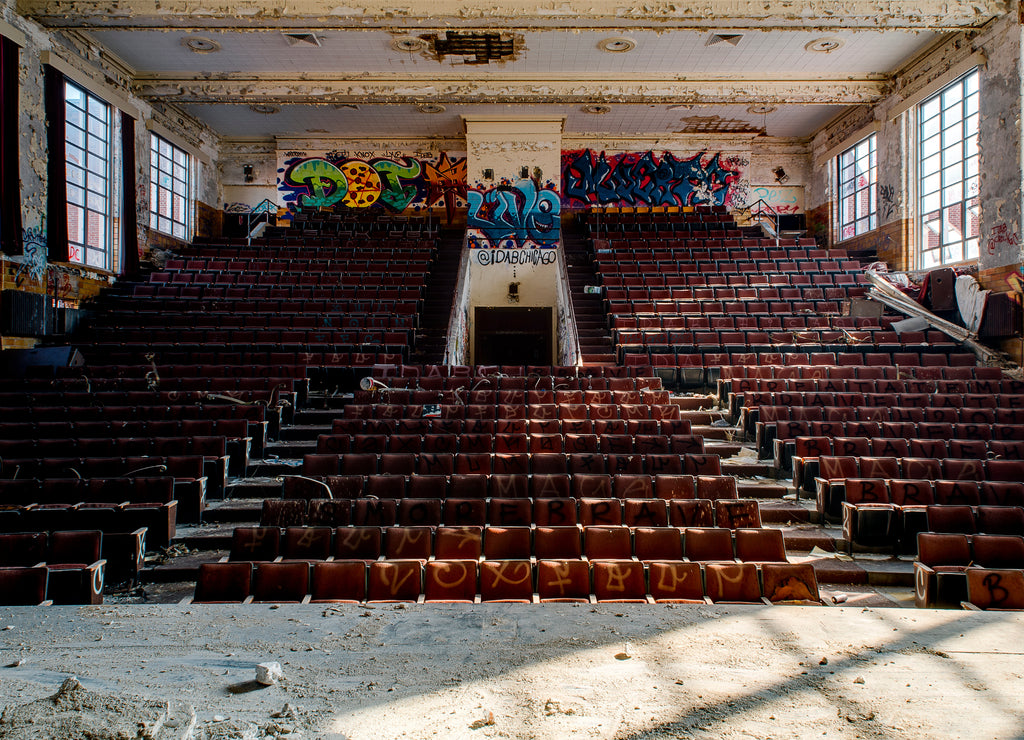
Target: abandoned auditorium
526, 370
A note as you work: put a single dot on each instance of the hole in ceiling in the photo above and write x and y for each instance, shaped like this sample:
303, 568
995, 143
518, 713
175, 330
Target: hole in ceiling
761, 110
298, 38
475, 47
200, 45
715, 125
264, 108
345, 106
430, 108
724, 37
824, 45
596, 109
618, 45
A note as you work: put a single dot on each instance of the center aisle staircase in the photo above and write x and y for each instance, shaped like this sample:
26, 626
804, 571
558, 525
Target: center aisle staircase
591, 318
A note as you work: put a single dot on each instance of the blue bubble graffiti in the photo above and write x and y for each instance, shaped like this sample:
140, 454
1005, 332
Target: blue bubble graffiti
514, 216
644, 179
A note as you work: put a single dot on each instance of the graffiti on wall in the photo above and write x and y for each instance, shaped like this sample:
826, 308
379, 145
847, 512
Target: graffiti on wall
514, 216
649, 179
783, 199
33, 265
397, 183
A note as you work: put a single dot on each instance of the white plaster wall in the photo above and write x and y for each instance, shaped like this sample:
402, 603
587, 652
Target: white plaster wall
507, 145
488, 285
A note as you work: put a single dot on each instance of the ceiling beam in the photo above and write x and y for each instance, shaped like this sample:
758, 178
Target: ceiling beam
933, 15
363, 90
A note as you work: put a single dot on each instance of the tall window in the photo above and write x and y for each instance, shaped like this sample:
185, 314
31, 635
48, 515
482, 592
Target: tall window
858, 192
948, 174
170, 188
88, 144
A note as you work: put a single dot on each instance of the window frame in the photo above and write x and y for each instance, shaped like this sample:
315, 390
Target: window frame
936, 136
852, 160
178, 219
92, 179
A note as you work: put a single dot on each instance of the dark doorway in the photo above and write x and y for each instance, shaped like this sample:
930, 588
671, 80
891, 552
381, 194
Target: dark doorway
513, 336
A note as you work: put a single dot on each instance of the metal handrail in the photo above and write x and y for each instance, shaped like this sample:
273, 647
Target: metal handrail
765, 210
264, 206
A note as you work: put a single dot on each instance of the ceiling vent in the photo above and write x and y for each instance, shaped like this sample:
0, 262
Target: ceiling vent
724, 37
299, 38
475, 47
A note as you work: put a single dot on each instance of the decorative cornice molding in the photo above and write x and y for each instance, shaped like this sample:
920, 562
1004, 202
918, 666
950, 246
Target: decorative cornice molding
491, 90
934, 15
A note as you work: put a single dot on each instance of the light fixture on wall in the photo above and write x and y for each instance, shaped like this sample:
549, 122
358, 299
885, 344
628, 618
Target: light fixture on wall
247, 173
488, 174
780, 175
513, 292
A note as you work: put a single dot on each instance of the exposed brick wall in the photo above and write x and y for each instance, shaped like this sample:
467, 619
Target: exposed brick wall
1000, 279
889, 242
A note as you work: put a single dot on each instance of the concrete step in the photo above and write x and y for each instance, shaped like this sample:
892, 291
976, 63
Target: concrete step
318, 417
290, 450
270, 468
254, 488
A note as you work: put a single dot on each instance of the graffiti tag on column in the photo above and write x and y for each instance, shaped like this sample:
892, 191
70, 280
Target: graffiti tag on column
1002, 237
887, 201
394, 182
33, 266
644, 178
514, 216
488, 257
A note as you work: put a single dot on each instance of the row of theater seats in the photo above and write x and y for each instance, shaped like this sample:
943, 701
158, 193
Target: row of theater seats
191, 485
875, 520
353, 262
326, 315
516, 581
833, 470
593, 542
678, 262
217, 248
683, 276
512, 464
499, 442
514, 410
983, 571
158, 519
543, 429
743, 295
777, 440
61, 567
540, 509
678, 367
226, 291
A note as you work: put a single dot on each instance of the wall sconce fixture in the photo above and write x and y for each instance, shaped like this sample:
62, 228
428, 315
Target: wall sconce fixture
513, 292
780, 175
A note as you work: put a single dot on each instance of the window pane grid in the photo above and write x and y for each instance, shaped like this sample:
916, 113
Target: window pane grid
170, 188
948, 174
88, 155
857, 188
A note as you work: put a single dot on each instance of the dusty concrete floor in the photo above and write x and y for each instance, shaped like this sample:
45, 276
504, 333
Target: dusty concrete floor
519, 671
